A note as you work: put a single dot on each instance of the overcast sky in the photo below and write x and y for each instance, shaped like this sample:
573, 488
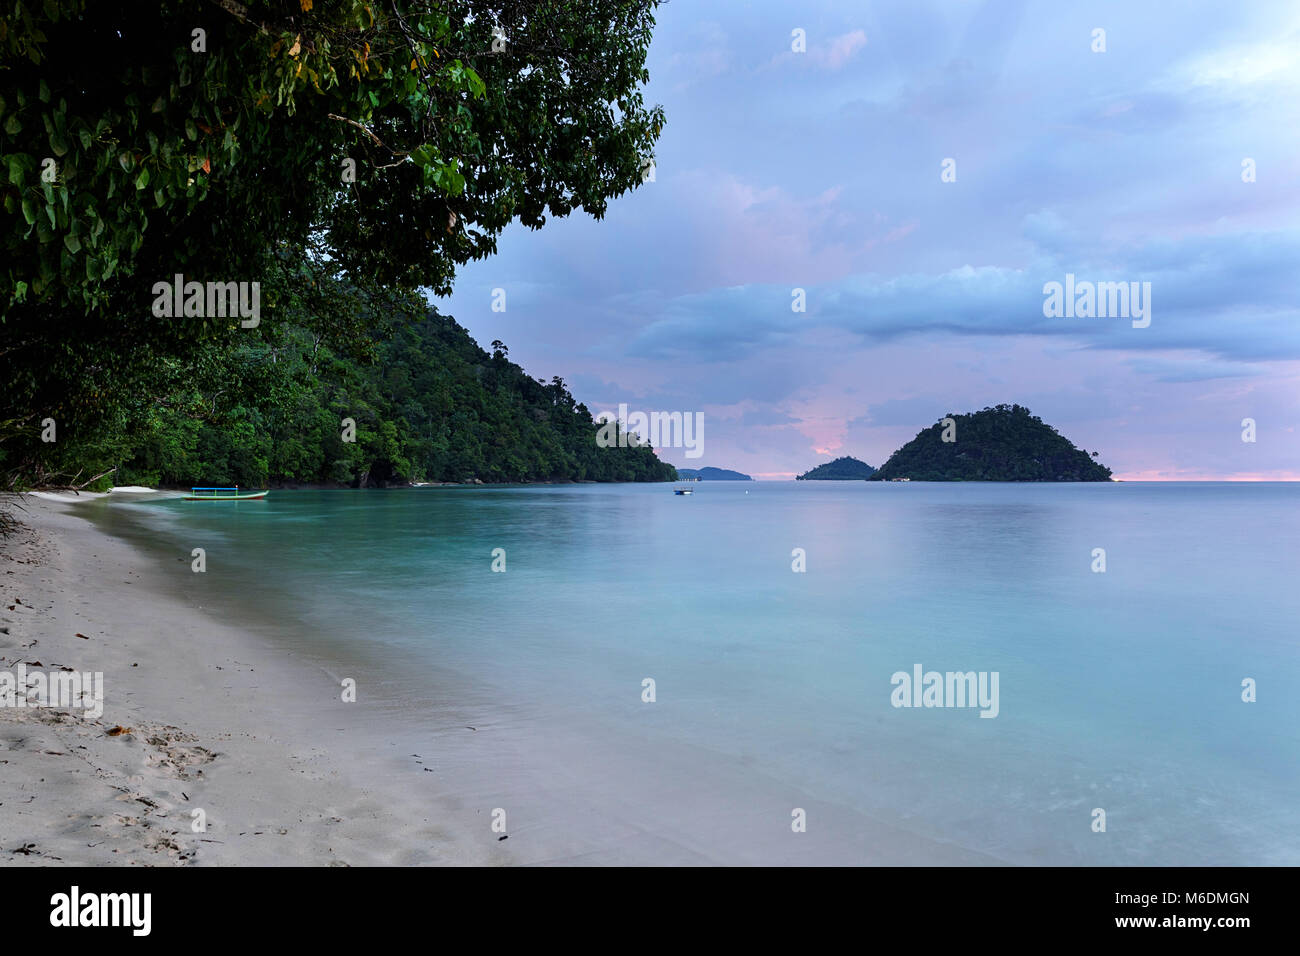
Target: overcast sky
822, 171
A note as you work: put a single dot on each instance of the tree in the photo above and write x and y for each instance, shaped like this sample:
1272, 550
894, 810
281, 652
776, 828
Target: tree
275, 142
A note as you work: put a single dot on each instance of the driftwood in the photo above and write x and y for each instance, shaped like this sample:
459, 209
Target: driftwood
11, 498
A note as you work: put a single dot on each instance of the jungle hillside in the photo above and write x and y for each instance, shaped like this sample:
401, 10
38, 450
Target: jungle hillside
333, 164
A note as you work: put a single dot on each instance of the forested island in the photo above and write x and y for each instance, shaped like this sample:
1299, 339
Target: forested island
712, 474
841, 469
1001, 443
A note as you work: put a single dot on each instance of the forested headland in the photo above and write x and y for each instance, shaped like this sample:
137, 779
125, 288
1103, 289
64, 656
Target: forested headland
333, 162
430, 406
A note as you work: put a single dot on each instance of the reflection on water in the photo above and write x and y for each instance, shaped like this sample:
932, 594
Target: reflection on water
1118, 690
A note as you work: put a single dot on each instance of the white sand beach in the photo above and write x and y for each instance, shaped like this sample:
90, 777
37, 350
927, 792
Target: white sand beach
204, 711
197, 729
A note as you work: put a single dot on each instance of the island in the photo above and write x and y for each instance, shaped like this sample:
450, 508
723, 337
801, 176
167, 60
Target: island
1002, 443
711, 474
841, 469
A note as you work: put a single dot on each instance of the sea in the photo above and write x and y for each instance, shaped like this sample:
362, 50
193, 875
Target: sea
623, 675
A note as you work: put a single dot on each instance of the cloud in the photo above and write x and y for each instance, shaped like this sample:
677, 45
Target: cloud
832, 54
821, 171
1192, 369
911, 412
1239, 68
1230, 296
701, 54
840, 50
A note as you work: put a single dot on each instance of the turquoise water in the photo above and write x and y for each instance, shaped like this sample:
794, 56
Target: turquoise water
1118, 690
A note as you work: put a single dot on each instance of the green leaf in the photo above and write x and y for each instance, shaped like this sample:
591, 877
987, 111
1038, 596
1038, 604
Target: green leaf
29, 211
142, 180
43, 91
424, 155
477, 87
448, 178
13, 125
73, 244
191, 131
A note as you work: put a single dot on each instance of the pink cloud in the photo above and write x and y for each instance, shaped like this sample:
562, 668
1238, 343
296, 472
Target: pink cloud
745, 233
831, 56
1192, 474
842, 49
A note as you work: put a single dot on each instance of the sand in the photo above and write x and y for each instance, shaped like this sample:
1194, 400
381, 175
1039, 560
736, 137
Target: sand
188, 724
241, 717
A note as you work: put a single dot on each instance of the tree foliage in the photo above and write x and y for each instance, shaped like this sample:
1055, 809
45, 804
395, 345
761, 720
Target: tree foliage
841, 469
284, 407
387, 143
195, 133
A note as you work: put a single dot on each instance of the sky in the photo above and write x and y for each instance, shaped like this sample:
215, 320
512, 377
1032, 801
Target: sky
923, 280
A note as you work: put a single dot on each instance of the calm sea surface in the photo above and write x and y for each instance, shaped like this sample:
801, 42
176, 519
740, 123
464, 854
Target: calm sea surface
1119, 691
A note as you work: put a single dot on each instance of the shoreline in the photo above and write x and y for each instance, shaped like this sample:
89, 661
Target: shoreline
234, 708
265, 768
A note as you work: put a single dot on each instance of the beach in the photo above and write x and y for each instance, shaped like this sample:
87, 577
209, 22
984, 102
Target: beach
236, 711
504, 718
199, 730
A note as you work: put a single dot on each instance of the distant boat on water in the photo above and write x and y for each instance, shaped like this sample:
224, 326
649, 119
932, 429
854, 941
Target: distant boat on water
683, 491
223, 494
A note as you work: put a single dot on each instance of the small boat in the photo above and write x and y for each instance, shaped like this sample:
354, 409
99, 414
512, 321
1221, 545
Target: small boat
683, 491
223, 494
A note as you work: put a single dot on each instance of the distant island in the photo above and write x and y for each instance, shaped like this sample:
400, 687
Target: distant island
1003, 443
712, 474
841, 469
